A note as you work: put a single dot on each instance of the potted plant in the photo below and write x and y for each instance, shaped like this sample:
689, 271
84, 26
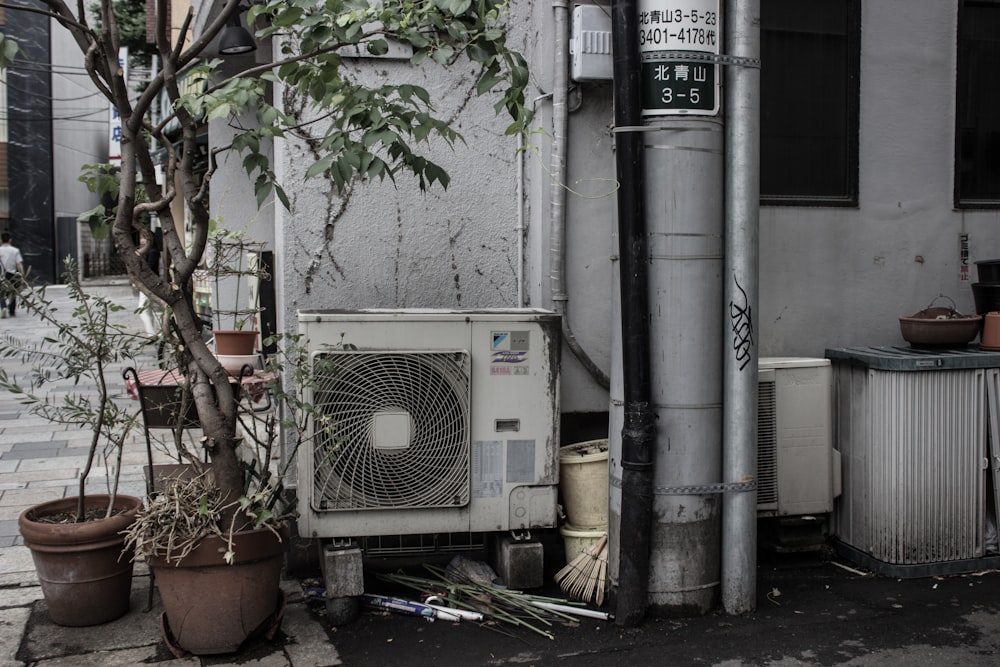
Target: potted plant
368, 132
203, 563
229, 262
76, 542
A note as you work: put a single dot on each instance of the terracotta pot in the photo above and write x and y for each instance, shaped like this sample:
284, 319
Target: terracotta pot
235, 342
990, 338
85, 577
213, 607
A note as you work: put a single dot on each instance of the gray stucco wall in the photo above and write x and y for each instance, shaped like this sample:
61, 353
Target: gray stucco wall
829, 276
838, 277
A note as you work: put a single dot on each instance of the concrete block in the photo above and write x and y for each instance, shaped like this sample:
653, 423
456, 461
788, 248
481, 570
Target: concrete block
343, 571
520, 564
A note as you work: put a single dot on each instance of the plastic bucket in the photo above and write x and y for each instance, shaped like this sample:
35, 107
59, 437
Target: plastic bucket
583, 481
577, 540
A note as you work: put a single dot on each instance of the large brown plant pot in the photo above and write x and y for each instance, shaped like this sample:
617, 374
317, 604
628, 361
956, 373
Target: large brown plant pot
86, 578
213, 607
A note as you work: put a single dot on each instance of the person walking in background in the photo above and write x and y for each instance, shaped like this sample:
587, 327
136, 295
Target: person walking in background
11, 270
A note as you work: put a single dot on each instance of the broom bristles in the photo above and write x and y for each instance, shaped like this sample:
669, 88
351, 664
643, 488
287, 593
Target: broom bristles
585, 577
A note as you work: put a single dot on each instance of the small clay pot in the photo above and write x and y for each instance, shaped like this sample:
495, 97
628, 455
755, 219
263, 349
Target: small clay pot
990, 338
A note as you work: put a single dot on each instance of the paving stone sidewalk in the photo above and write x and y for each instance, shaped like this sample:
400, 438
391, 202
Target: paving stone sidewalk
41, 461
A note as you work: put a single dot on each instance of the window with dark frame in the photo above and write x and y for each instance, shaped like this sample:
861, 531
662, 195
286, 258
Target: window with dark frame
977, 106
810, 62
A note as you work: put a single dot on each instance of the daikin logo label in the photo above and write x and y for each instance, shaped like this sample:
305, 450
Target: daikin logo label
509, 352
509, 357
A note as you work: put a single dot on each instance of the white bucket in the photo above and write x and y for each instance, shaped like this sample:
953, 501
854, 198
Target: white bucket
577, 541
583, 481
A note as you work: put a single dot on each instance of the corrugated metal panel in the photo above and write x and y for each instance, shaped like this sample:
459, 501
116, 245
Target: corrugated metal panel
913, 446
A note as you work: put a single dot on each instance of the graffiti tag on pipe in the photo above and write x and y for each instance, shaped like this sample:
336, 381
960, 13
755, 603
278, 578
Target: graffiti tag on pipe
741, 320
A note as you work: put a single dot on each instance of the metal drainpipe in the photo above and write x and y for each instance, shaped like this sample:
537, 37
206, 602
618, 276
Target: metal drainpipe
522, 229
557, 190
638, 428
742, 175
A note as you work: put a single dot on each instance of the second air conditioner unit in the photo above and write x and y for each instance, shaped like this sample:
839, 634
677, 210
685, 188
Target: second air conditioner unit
430, 421
798, 470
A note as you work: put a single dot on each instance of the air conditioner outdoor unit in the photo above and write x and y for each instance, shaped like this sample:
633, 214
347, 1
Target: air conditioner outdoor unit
432, 421
798, 470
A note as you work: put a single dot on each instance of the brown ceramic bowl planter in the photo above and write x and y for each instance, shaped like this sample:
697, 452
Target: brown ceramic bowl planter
86, 578
937, 326
211, 606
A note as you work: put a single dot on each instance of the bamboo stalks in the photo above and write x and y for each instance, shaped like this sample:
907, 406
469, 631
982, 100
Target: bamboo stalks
535, 613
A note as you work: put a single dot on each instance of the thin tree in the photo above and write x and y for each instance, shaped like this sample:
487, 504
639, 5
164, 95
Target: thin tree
370, 132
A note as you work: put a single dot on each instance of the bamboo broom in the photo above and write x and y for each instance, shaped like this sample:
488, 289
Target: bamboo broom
585, 577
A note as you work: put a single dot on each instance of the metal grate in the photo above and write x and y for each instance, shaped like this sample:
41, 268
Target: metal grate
406, 545
767, 447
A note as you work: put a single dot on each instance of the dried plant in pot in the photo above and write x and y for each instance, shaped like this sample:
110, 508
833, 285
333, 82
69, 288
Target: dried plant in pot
206, 548
75, 542
219, 586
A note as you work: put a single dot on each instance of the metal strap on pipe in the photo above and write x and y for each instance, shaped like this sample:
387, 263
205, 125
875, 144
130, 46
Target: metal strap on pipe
665, 128
718, 59
696, 489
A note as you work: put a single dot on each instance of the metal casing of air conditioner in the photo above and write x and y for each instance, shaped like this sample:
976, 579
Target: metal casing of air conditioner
913, 425
437, 421
798, 470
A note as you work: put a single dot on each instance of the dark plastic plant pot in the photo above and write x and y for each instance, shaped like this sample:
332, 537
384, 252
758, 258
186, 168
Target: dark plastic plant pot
988, 270
986, 296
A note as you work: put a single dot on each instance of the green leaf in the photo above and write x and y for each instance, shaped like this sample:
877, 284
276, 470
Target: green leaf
220, 111
287, 17
282, 197
436, 173
8, 51
319, 166
443, 55
262, 188
486, 83
378, 47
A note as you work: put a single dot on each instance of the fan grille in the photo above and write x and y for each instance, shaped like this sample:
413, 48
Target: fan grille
767, 444
430, 469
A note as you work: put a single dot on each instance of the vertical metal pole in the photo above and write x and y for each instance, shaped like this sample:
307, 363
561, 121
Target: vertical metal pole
638, 430
742, 100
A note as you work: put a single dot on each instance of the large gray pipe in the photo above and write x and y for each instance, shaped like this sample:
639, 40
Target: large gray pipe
742, 100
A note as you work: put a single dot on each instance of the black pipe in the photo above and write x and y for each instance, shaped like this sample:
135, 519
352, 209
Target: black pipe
638, 432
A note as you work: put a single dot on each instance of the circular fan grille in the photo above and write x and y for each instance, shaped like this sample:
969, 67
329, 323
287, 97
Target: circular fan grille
430, 468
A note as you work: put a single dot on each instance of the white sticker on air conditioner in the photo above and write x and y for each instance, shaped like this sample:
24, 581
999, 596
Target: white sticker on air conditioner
487, 468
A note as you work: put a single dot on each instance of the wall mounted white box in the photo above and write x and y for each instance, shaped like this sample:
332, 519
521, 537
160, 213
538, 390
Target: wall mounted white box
590, 44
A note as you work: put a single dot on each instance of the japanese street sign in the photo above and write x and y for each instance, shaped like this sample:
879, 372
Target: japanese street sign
678, 75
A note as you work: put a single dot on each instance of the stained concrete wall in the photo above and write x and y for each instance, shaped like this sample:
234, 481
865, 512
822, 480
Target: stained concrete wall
829, 276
